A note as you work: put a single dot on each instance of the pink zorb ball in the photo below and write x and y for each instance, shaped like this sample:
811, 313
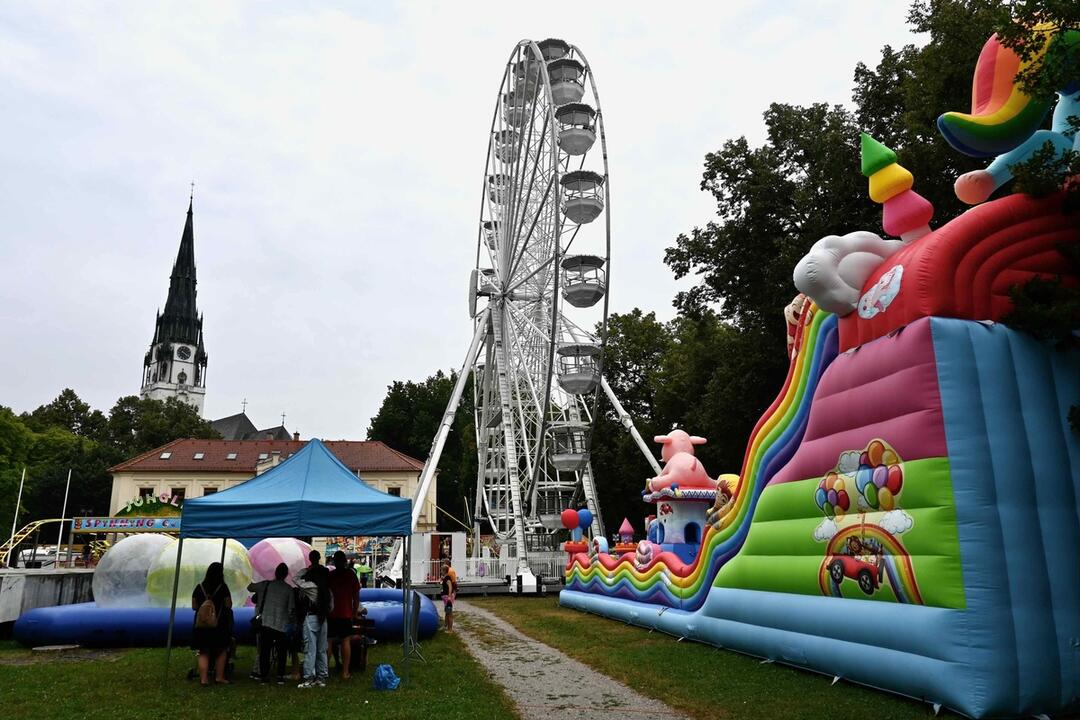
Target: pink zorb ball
265, 556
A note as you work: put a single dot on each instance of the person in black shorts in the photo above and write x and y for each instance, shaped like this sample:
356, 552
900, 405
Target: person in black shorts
449, 593
345, 589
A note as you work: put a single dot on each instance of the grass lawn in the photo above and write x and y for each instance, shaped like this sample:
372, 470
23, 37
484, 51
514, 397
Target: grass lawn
115, 685
701, 680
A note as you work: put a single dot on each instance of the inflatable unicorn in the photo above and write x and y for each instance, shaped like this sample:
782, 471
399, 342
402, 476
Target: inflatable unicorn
1004, 120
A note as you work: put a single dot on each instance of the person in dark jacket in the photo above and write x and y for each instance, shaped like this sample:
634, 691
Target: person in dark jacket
275, 605
212, 639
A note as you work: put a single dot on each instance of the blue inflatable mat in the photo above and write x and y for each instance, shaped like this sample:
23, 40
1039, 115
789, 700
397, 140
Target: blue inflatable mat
88, 625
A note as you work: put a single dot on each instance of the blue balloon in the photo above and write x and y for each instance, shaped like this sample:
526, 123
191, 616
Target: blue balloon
863, 477
585, 518
820, 496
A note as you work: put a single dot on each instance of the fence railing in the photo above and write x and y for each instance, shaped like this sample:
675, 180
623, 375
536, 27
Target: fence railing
471, 570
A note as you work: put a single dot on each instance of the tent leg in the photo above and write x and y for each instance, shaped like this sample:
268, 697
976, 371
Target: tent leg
172, 608
223, 541
406, 577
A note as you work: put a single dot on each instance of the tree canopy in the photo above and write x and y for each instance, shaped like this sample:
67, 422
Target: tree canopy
68, 434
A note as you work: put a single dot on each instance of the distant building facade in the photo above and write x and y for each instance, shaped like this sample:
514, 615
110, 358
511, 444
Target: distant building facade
191, 468
175, 364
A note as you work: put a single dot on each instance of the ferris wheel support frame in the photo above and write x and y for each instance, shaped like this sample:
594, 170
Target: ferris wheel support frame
439, 441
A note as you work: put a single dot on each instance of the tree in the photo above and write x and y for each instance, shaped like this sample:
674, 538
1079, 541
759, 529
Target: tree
66, 434
67, 411
137, 425
407, 421
633, 362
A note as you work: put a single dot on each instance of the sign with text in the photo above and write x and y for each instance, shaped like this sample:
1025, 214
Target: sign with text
126, 524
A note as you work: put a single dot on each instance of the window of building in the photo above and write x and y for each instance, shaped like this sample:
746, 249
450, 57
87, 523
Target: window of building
144, 491
395, 491
178, 493
166, 455
263, 456
200, 456
230, 456
209, 491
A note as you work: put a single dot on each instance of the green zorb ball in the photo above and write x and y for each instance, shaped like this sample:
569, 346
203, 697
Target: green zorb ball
197, 555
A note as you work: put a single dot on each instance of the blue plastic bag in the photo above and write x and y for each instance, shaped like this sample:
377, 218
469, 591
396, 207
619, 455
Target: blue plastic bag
385, 679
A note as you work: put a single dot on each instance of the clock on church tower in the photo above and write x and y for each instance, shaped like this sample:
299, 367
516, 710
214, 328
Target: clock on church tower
175, 365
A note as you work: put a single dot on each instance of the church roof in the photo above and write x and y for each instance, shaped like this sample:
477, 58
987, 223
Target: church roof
180, 322
240, 427
234, 427
358, 455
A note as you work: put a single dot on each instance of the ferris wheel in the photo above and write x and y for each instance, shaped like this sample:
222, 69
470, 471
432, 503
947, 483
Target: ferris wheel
538, 300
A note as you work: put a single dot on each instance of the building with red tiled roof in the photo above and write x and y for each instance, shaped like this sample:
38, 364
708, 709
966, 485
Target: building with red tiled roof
192, 468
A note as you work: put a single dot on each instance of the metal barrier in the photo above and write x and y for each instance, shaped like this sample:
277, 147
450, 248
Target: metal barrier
471, 570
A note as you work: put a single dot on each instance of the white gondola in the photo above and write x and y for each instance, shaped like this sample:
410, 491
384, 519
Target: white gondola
506, 145
567, 80
491, 234
498, 185
553, 48
579, 367
583, 198
569, 446
577, 131
516, 108
584, 281
527, 79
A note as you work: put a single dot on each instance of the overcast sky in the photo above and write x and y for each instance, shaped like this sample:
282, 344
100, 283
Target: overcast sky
337, 152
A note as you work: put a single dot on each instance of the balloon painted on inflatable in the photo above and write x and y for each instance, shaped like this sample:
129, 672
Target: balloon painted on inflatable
267, 554
197, 555
120, 575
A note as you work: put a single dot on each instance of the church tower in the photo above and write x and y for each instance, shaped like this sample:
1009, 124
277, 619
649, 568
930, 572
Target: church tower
175, 365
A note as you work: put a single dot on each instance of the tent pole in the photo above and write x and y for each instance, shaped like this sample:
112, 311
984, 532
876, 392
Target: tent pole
172, 608
405, 578
223, 541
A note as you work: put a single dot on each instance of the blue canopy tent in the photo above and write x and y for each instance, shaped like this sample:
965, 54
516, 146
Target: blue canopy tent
311, 494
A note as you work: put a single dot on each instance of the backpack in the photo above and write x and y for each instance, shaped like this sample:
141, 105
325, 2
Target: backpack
206, 616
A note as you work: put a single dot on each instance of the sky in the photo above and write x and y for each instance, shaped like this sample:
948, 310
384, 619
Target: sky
337, 151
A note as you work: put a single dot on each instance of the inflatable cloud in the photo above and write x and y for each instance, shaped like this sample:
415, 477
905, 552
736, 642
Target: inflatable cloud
833, 273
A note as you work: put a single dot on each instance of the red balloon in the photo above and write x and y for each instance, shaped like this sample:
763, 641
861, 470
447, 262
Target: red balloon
842, 500
569, 519
896, 479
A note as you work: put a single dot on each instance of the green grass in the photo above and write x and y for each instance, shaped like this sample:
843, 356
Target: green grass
701, 680
115, 685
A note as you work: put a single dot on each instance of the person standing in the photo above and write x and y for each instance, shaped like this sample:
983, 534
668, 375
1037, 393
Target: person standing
274, 609
212, 635
449, 594
345, 589
315, 600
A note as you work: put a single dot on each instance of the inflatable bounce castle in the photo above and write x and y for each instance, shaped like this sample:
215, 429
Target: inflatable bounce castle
907, 515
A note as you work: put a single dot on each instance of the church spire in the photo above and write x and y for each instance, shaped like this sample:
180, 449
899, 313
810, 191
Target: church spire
180, 321
175, 365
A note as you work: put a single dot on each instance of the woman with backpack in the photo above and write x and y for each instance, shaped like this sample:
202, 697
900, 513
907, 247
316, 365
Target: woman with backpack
212, 636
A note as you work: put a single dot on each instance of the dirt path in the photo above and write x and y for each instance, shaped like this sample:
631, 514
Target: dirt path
543, 682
